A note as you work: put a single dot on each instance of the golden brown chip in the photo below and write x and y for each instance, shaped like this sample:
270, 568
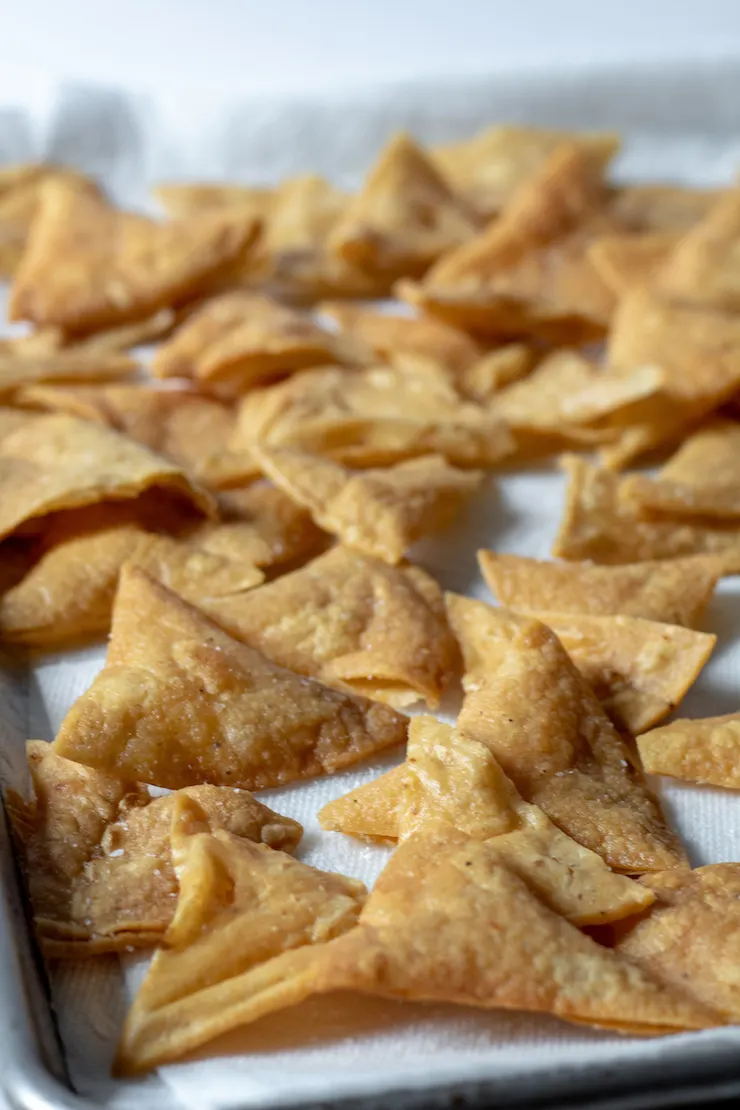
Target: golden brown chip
244, 914
661, 208
268, 526
58, 462
691, 939
62, 367
706, 751
186, 199
241, 339
528, 704
404, 217
701, 480
351, 622
497, 369
89, 266
490, 167
600, 524
372, 417
203, 567
628, 261
639, 670
674, 591
180, 702
378, 512
703, 268
113, 885
124, 336
369, 812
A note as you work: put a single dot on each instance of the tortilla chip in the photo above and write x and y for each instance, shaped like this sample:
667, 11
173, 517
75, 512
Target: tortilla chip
11, 420
600, 524
661, 208
705, 751
639, 670
113, 886
180, 702
528, 272
378, 512
490, 167
352, 622
404, 217
125, 336
529, 705
62, 367
89, 266
497, 369
268, 526
372, 417
241, 339
628, 261
703, 269
370, 812
673, 591
203, 567
701, 480
182, 199
691, 938
58, 462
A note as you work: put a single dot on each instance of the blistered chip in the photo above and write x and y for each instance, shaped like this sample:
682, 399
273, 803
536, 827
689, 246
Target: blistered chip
378, 512
370, 812
705, 750
180, 702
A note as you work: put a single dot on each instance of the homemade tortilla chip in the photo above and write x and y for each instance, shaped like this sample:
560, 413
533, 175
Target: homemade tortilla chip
628, 261
187, 199
378, 512
529, 705
89, 266
673, 591
246, 915
600, 524
370, 812
705, 751
703, 268
497, 369
62, 366
351, 622
372, 417
404, 217
115, 887
691, 938
241, 339
661, 208
268, 526
58, 462
180, 702
639, 670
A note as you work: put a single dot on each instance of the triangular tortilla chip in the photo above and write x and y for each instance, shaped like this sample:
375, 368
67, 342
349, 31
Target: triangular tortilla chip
703, 269
706, 751
701, 480
63, 366
268, 526
599, 524
639, 670
452, 781
372, 417
691, 938
378, 512
58, 462
351, 622
245, 913
528, 273
371, 811
180, 702
404, 217
674, 591
497, 369
419, 938
186, 199
240, 339
661, 208
89, 266
628, 261
527, 702
489, 167
113, 886
201, 567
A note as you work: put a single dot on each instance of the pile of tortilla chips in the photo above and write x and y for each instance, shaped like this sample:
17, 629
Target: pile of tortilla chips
237, 513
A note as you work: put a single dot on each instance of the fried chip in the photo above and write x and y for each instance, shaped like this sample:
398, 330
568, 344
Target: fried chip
701, 480
351, 622
245, 914
180, 702
497, 369
372, 417
491, 166
89, 266
703, 268
639, 670
705, 751
21, 188
600, 524
188, 199
526, 701
98, 852
404, 217
242, 339
661, 208
378, 512
673, 591
628, 261
58, 462
369, 812
62, 367
268, 526
691, 938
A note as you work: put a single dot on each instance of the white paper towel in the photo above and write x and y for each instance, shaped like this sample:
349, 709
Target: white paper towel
683, 126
